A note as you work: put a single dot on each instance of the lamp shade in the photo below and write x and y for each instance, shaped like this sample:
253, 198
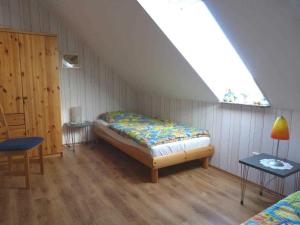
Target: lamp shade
280, 129
76, 114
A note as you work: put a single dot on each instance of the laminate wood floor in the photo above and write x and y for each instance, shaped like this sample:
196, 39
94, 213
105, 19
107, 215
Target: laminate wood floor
100, 185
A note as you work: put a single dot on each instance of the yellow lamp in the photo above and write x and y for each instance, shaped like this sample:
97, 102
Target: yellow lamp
280, 131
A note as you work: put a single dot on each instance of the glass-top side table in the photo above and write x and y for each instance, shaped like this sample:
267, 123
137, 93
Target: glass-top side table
71, 132
254, 162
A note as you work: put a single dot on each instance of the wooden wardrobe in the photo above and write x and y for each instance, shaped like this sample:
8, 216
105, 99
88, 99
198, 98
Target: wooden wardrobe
29, 86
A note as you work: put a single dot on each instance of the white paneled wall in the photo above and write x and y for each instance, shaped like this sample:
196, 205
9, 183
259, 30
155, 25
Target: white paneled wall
94, 86
236, 131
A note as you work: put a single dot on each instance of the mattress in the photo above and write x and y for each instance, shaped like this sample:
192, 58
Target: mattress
157, 150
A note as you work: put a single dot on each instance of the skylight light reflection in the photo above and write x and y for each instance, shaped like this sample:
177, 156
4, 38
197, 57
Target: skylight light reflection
193, 30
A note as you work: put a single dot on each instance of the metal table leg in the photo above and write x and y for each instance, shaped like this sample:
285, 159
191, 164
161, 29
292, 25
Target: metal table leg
73, 140
86, 134
261, 182
244, 176
281, 186
297, 182
82, 133
68, 138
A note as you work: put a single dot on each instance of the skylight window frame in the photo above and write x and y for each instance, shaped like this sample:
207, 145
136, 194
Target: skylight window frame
252, 96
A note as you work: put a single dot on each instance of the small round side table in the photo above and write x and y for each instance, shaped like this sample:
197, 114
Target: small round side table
71, 131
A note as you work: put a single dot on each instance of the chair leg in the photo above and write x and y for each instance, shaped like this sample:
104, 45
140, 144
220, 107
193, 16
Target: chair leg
9, 160
26, 168
41, 159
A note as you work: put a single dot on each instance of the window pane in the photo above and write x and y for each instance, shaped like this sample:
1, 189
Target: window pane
193, 30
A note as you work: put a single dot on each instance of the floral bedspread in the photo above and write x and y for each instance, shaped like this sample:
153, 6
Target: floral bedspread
285, 212
149, 131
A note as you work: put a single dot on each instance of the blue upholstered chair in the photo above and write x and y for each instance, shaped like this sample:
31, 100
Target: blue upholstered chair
13, 147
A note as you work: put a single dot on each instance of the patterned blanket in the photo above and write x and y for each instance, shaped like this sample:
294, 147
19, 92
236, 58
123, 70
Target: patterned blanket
148, 131
284, 212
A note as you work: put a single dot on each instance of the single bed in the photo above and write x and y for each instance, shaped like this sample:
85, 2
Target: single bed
154, 155
284, 212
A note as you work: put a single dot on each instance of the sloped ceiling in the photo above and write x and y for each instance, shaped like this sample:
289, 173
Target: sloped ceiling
266, 34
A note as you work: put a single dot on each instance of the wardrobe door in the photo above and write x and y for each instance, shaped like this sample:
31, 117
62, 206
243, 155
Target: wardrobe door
10, 83
53, 93
40, 80
10, 76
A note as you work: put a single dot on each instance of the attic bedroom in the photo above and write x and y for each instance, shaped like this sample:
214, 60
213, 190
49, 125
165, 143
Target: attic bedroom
171, 112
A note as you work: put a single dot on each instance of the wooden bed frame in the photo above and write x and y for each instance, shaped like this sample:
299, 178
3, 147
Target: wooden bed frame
155, 163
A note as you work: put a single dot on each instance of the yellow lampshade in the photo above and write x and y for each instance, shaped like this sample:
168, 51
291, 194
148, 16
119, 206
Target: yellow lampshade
280, 129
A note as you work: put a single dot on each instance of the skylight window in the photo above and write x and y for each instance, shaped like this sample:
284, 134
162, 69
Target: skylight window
193, 30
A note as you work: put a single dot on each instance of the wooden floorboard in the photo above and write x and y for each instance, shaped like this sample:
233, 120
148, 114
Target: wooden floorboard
99, 185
